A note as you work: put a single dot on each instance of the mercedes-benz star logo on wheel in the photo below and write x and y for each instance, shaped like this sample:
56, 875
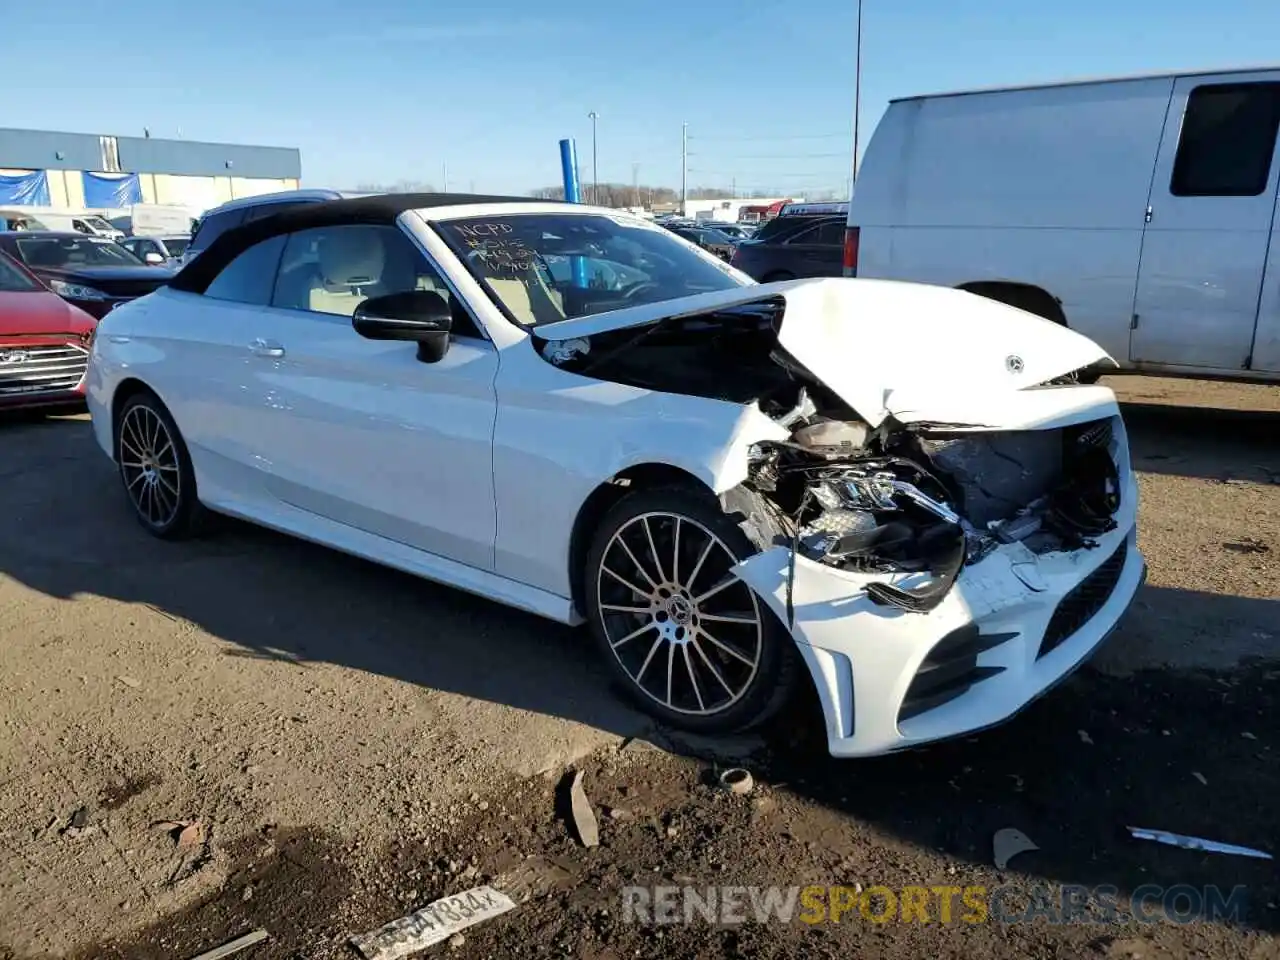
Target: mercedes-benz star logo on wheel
1013, 363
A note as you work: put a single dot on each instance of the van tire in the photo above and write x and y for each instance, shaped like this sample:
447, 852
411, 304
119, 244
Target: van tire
1032, 300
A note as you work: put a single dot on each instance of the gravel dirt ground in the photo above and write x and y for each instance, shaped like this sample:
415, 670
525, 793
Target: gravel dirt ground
348, 744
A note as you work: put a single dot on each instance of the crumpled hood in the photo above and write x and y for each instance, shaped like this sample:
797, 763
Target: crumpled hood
888, 348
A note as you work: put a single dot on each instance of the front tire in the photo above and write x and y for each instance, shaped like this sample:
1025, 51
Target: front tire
155, 469
686, 641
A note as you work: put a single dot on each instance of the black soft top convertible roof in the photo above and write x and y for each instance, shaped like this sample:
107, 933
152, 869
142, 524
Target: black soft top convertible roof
381, 208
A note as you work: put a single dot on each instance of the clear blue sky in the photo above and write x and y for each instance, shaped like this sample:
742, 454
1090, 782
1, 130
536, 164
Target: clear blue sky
388, 90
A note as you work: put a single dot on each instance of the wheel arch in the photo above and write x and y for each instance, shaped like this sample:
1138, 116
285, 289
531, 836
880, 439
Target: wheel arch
125, 389
640, 476
1024, 296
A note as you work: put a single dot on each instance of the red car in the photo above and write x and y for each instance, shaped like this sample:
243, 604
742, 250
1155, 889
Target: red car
44, 342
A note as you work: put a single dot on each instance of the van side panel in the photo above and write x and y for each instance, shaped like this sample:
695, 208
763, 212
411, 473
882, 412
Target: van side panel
1266, 336
1046, 187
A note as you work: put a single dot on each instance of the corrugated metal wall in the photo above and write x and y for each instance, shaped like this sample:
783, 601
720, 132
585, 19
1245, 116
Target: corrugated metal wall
186, 172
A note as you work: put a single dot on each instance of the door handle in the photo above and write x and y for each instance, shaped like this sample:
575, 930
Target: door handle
266, 348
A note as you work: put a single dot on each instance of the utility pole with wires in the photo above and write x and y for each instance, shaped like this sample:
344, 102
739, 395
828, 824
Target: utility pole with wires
684, 169
595, 171
857, 96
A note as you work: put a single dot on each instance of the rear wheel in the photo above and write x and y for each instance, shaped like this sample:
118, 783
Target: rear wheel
155, 469
688, 642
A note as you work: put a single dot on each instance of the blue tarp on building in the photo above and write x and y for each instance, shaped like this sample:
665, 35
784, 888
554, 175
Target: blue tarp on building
25, 189
111, 190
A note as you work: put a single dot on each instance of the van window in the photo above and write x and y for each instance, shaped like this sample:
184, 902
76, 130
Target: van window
1228, 139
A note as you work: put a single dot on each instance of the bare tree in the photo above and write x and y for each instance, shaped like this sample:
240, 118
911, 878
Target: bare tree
622, 194
400, 186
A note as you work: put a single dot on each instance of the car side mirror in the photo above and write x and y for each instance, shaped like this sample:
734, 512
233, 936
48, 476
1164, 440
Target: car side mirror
152, 258
420, 316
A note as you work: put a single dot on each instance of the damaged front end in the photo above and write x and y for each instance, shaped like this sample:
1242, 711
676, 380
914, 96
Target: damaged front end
945, 528
912, 499
870, 478
937, 578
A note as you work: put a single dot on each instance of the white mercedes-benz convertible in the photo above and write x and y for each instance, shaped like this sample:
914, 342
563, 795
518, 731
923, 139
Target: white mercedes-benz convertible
898, 493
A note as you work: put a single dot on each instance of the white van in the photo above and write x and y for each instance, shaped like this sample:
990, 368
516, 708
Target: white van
20, 219
1137, 211
87, 223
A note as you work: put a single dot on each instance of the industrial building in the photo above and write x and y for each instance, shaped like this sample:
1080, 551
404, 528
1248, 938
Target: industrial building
81, 171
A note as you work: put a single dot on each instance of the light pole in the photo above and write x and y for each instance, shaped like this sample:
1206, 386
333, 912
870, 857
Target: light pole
684, 169
635, 184
857, 95
595, 175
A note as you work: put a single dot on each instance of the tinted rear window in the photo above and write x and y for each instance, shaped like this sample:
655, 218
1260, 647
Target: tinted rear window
780, 227
214, 226
219, 223
260, 210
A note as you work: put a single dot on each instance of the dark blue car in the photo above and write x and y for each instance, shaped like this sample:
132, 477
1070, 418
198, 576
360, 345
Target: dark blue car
805, 247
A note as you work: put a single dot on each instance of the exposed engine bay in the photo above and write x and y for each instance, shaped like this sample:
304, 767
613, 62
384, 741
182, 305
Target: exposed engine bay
924, 500
918, 498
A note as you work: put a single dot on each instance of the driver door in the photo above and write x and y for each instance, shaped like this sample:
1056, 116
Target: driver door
361, 432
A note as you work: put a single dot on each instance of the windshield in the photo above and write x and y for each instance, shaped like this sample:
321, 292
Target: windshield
13, 280
75, 252
176, 245
542, 268
98, 223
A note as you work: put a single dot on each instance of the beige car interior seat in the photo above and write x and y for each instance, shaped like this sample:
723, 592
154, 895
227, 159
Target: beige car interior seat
349, 271
528, 297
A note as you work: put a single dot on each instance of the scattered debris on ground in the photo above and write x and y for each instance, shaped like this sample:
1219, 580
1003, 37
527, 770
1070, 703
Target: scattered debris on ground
736, 780
347, 773
234, 946
584, 818
439, 920
186, 834
1196, 843
1007, 844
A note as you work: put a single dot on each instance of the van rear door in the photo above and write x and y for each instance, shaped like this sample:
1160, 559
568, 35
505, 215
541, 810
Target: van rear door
1208, 223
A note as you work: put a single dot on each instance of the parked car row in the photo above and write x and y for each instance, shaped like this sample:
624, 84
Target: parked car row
708, 238
54, 286
158, 250
44, 342
804, 240
89, 224
93, 273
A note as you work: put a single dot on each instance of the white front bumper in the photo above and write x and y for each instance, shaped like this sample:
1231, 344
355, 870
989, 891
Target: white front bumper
864, 656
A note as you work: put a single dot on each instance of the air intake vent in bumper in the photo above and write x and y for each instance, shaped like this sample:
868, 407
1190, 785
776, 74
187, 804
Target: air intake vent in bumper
950, 670
1084, 601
